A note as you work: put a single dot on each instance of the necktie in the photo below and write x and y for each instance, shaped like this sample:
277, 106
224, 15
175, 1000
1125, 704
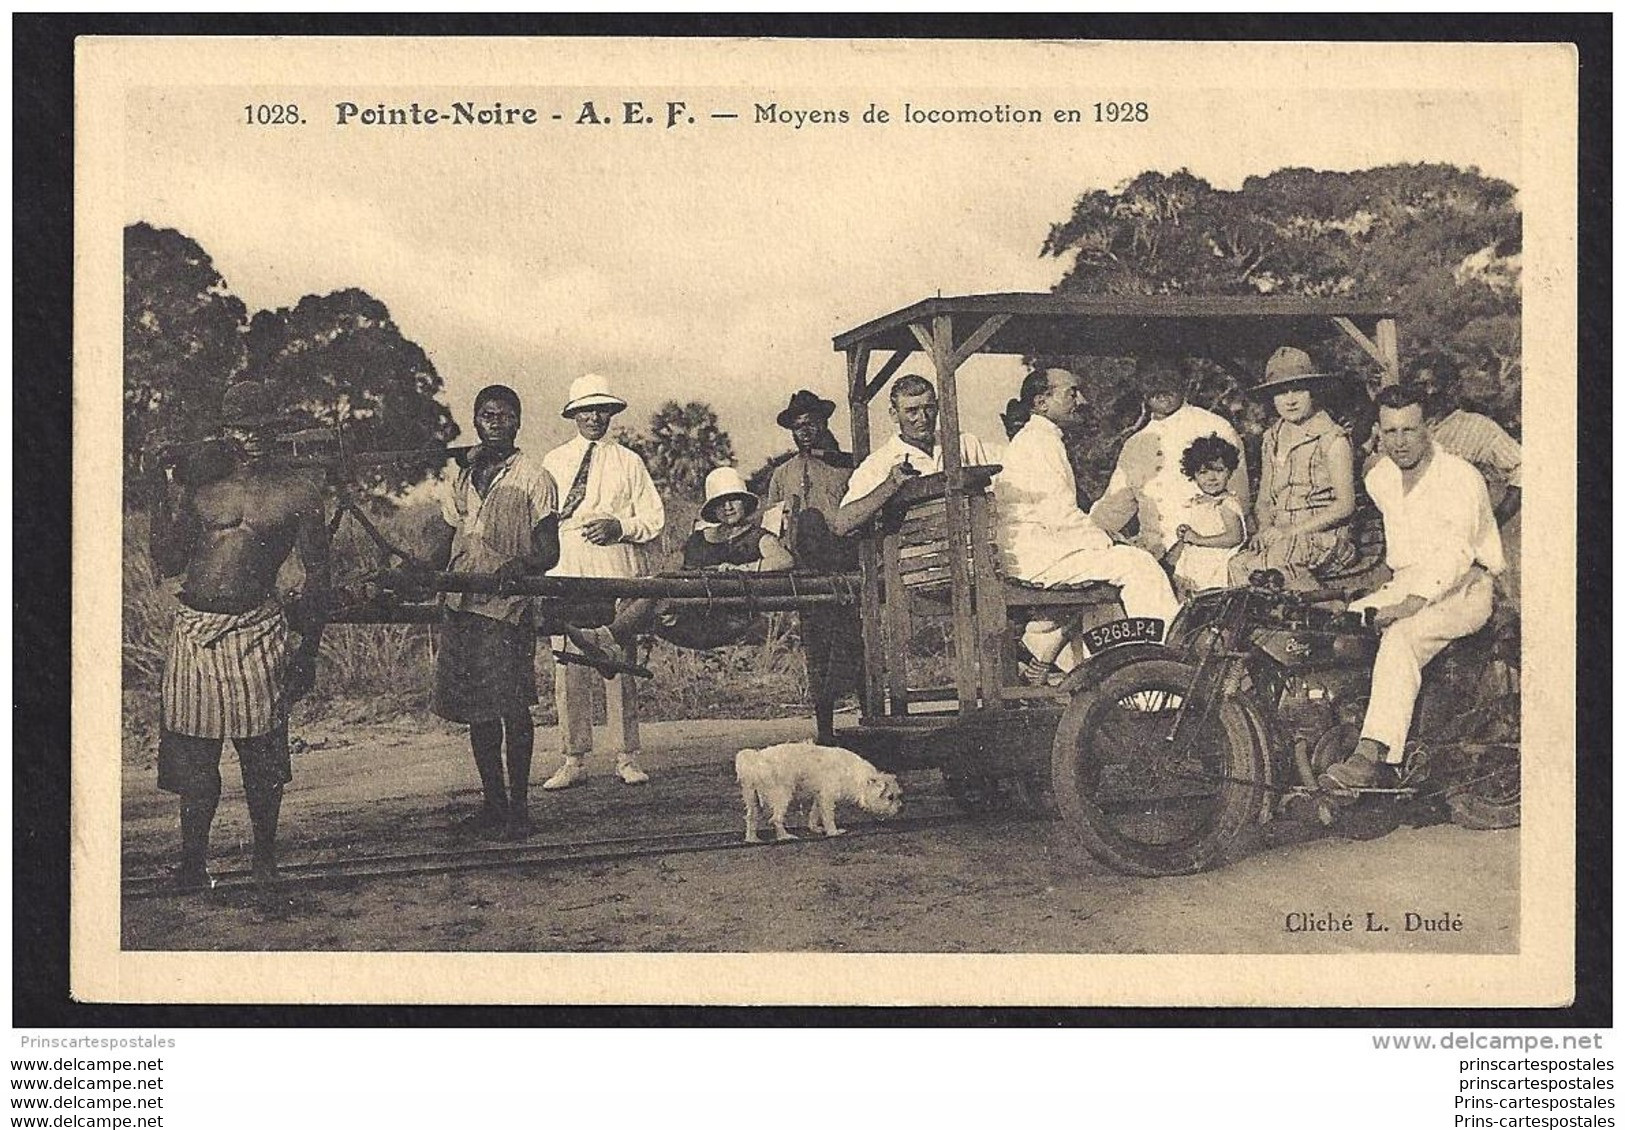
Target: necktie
578, 488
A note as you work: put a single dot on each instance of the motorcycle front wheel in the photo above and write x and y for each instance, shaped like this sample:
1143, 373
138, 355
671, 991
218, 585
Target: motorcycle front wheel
1150, 784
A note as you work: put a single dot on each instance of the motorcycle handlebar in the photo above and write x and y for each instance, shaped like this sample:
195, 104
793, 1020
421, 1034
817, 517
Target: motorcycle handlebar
1316, 598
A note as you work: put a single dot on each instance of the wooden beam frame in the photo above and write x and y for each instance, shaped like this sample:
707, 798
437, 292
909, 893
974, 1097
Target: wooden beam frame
1388, 346
857, 370
983, 334
893, 363
1384, 351
927, 342
939, 344
1357, 335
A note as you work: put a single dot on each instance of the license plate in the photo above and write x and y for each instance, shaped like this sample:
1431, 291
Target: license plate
1132, 629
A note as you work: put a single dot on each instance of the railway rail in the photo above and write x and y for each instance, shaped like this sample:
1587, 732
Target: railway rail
531, 855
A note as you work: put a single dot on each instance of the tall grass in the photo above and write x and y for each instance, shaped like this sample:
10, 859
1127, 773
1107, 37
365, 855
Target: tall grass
371, 672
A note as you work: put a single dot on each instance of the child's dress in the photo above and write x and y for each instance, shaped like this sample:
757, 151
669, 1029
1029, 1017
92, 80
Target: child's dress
1201, 567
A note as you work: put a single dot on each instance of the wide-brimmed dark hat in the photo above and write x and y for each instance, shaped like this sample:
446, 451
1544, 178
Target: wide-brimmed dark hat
804, 401
1289, 366
249, 404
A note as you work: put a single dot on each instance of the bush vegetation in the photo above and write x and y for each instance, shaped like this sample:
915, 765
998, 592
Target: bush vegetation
375, 672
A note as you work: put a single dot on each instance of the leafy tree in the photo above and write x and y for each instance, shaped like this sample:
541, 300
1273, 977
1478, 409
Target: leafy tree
684, 443
340, 360
183, 338
1440, 244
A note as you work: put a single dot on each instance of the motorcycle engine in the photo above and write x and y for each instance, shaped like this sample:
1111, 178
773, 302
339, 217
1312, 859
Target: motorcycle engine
1322, 710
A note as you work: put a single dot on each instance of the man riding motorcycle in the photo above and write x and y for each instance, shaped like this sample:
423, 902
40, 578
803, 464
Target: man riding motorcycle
1443, 548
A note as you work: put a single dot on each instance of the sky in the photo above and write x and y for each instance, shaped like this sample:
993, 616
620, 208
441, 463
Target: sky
712, 261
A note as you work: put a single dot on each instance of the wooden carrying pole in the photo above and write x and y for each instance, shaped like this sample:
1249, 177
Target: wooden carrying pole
710, 586
743, 588
374, 612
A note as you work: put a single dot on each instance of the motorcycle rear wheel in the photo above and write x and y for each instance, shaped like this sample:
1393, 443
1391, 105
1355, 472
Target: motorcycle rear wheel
1145, 805
1493, 797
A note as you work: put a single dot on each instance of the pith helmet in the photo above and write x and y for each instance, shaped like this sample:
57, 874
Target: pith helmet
591, 391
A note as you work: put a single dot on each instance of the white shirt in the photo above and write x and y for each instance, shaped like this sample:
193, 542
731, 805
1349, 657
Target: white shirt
873, 471
1436, 531
1037, 495
1148, 480
619, 487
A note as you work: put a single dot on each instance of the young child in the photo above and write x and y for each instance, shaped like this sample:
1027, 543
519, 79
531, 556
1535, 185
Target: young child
1217, 525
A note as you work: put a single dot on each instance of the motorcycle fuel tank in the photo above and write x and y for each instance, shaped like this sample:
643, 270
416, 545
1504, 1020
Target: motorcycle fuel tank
1298, 649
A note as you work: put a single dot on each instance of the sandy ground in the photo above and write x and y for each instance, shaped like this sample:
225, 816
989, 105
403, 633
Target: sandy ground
993, 885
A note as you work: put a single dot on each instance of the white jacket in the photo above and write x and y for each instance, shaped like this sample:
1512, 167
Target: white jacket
619, 487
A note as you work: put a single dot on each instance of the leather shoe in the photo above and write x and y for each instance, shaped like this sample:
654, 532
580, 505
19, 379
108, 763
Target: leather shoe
572, 772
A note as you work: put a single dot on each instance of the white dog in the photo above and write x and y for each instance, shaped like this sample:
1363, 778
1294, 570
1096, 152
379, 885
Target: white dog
773, 776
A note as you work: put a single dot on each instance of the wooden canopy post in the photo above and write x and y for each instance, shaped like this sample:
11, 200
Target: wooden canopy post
1384, 351
939, 343
857, 396
983, 612
874, 653
1388, 347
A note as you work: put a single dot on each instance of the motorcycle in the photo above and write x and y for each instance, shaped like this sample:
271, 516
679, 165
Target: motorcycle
1170, 757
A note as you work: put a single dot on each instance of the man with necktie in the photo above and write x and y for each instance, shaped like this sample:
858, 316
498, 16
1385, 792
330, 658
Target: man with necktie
609, 510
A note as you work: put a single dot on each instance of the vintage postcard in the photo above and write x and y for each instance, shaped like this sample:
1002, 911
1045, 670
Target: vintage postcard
871, 522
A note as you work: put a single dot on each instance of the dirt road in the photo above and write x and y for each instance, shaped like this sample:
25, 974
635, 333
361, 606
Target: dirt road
998, 885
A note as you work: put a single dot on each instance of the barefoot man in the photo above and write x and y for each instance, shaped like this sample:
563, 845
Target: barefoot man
501, 518
810, 485
229, 672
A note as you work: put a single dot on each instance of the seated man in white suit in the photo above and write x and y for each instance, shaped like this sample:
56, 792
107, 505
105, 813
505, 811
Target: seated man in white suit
1047, 539
913, 451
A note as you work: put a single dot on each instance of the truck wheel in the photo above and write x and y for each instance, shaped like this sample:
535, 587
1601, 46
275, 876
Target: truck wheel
1145, 797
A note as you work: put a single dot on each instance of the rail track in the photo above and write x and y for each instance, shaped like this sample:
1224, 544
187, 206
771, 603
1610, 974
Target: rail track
532, 855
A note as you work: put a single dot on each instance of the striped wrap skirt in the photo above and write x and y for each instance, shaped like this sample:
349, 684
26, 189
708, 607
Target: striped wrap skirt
226, 673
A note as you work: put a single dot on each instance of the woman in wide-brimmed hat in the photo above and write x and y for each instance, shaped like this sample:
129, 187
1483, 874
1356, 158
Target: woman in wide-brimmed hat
1306, 479
729, 538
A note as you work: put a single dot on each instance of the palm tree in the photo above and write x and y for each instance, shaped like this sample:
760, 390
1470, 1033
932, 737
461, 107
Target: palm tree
684, 443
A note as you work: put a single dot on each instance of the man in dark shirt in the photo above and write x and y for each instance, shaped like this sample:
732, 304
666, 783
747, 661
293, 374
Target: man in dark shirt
810, 486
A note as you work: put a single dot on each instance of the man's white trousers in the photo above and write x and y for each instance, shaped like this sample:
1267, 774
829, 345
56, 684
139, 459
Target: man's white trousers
1407, 646
1145, 589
